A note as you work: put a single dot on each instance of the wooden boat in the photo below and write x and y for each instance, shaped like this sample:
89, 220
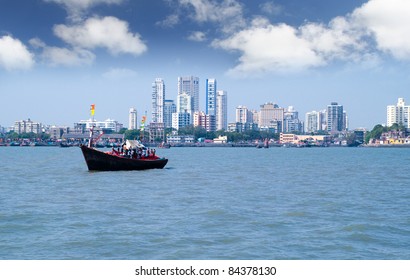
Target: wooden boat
105, 161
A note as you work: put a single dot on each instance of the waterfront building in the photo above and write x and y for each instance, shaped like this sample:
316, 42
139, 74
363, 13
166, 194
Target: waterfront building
183, 116
132, 119
57, 132
291, 122
108, 125
157, 101
313, 121
211, 90
271, 116
180, 139
190, 86
169, 109
243, 115
208, 122
242, 127
298, 139
398, 114
27, 126
221, 110
181, 119
254, 116
156, 132
336, 118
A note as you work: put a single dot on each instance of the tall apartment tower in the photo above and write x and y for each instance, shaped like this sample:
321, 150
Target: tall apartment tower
335, 117
132, 119
313, 122
158, 97
184, 115
190, 86
169, 109
221, 110
211, 90
398, 114
242, 114
271, 115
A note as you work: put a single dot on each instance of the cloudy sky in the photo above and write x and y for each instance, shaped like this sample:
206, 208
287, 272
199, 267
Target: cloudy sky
59, 56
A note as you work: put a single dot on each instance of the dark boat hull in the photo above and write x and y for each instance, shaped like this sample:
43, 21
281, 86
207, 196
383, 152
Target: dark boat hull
100, 161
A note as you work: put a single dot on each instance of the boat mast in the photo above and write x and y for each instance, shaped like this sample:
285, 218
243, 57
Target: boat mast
92, 111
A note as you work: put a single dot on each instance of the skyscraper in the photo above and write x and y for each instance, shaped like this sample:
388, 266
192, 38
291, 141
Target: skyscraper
211, 96
242, 114
190, 86
291, 122
271, 116
335, 117
169, 109
221, 110
158, 97
132, 119
183, 115
313, 122
398, 114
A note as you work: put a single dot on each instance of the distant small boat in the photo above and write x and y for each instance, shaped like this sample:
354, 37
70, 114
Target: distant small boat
164, 145
107, 161
266, 143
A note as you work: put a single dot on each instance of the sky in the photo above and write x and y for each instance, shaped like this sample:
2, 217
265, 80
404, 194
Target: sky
59, 56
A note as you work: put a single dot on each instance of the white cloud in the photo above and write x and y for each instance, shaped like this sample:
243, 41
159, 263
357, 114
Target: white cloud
77, 8
14, 55
169, 22
338, 40
388, 22
66, 57
197, 36
227, 13
56, 56
269, 48
359, 37
108, 32
271, 8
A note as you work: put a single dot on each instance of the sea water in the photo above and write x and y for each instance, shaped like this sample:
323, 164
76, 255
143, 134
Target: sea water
208, 203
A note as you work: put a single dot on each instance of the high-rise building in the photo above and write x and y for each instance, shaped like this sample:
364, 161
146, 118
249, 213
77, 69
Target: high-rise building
132, 119
291, 122
211, 90
313, 122
158, 97
183, 116
271, 116
398, 114
242, 114
221, 110
335, 118
27, 126
169, 109
190, 86
205, 121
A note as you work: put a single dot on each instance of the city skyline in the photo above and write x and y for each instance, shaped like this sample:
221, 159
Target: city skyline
59, 56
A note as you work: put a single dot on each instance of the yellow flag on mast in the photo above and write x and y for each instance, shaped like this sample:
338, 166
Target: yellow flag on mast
92, 109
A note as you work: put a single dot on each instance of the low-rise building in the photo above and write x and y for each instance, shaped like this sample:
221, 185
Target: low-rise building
27, 126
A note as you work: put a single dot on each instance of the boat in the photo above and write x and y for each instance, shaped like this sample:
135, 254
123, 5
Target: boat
164, 145
114, 161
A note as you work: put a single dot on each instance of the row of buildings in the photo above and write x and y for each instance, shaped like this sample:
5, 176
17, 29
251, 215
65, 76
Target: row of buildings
186, 111
274, 118
166, 113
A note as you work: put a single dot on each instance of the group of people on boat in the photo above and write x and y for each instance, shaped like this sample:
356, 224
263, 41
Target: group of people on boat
134, 153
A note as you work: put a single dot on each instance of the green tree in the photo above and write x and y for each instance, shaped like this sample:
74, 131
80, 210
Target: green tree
376, 133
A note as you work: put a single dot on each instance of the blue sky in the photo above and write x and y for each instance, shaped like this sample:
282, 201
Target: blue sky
59, 56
